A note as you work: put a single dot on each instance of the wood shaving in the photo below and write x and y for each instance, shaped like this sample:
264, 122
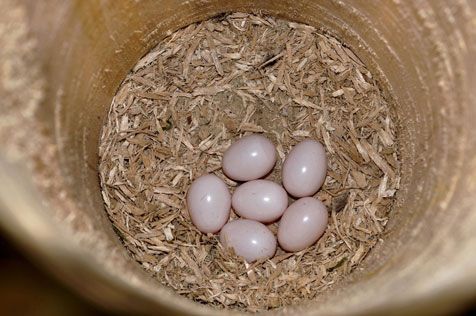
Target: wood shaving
207, 85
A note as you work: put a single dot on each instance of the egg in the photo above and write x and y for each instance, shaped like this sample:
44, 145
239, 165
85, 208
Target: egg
249, 158
260, 200
249, 239
209, 203
305, 168
302, 224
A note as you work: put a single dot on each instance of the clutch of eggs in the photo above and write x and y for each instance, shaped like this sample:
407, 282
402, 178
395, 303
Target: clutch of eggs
259, 202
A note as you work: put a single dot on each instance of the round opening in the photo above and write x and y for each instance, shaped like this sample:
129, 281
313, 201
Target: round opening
204, 87
425, 64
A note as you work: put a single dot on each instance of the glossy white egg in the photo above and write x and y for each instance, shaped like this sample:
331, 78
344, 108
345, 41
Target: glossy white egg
249, 158
249, 239
260, 200
302, 224
305, 168
209, 203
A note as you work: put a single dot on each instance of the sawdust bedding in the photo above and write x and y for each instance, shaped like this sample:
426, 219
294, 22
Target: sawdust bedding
210, 83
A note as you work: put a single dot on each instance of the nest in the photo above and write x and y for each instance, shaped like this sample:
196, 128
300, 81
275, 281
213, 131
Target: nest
208, 84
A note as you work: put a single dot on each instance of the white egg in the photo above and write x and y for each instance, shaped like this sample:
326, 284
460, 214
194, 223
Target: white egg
260, 200
249, 239
249, 158
302, 224
305, 168
209, 203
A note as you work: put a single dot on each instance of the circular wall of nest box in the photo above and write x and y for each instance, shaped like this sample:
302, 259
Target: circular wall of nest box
205, 86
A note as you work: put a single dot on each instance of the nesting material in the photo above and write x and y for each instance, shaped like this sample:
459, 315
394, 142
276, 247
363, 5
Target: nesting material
205, 86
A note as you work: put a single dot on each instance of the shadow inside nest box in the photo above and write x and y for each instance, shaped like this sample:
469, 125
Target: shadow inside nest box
27, 290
